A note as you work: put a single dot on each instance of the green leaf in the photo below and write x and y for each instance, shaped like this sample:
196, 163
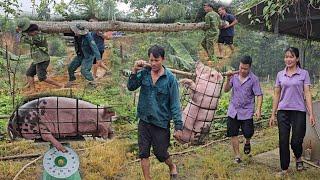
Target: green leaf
265, 10
288, 9
258, 20
182, 56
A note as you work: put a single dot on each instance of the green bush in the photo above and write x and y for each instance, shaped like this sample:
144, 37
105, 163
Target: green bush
58, 64
57, 46
2, 66
223, 104
172, 12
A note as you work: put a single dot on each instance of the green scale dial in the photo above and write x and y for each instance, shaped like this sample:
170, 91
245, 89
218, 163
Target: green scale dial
59, 165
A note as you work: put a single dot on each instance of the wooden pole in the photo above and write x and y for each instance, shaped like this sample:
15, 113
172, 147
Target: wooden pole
175, 71
19, 157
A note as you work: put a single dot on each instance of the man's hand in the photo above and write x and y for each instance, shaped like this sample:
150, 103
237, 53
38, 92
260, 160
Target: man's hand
226, 26
257, 114
177, 134
230, 73
18, 30
138, 65
60, 147
100, 33
312, 120
271, 120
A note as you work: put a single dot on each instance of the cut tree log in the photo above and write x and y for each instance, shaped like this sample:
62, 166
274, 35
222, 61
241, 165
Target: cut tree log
64, 27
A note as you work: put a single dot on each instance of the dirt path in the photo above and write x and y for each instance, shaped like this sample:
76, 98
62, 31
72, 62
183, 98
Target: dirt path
220, 64
43, 87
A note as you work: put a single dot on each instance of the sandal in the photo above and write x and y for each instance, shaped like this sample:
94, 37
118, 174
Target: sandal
237, 160
247, 148
174, 176
299, 166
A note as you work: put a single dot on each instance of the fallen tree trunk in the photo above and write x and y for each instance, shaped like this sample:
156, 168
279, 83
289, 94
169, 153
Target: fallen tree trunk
63, 27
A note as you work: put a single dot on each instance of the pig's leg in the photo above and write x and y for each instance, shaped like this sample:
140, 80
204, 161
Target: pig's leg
47, 136
188, 83
105, 131
54, 142
110, 132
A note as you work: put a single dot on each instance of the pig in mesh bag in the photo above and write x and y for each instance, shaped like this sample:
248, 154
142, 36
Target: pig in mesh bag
204, 94
57, 118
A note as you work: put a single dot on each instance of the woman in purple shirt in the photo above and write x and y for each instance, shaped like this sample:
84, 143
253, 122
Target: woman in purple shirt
292, 97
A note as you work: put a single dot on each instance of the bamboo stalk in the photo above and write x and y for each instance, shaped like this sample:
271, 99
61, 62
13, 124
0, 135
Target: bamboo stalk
311, 164
187, 151
19, 157
4, 116
183, 73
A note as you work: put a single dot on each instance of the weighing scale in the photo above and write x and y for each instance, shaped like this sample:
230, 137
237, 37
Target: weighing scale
58, 165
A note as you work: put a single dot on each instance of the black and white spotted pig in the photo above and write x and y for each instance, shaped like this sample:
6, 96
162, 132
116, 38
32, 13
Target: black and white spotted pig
52, 118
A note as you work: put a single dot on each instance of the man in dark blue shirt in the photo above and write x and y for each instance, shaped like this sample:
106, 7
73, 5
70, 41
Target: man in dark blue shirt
226, 30
86, 50
98, 37
158, 103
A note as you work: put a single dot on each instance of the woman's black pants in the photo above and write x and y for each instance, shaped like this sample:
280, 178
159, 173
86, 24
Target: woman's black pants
296, 120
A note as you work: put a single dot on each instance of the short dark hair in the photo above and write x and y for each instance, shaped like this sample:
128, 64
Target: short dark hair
32, 27
222, 7
209, 4
156, 51
93, 19
246, 60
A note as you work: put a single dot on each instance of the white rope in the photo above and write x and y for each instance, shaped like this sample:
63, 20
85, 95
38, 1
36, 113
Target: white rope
24, 167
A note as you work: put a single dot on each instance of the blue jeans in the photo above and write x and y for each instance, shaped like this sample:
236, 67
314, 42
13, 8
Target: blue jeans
86, 65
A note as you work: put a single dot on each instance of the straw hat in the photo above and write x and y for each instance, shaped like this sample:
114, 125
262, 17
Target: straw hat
23, 23
79, 29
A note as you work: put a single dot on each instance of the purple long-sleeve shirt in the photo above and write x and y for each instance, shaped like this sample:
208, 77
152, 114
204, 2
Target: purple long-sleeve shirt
243, 96
292, 89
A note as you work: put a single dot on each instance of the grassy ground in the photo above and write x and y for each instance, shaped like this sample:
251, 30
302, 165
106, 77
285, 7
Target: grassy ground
216, 162
113, 160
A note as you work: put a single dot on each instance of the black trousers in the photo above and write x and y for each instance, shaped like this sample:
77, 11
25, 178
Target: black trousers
151, 135
296, 120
